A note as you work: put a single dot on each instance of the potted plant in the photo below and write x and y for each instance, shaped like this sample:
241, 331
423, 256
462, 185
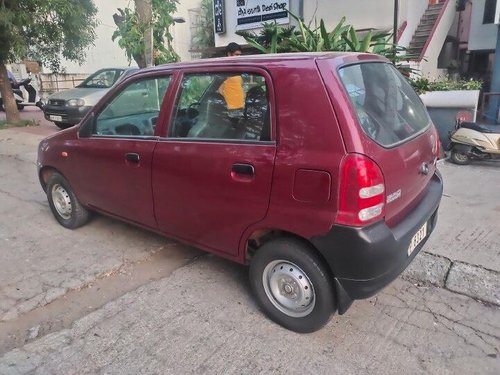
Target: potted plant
446, 99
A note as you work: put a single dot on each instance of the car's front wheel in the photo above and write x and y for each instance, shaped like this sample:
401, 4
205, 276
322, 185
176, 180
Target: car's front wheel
292, 285
63, 202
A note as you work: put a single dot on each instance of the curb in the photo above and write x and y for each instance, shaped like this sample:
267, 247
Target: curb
458, 277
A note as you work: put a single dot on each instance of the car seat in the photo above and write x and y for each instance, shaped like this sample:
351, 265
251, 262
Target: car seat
257, 114
213, 120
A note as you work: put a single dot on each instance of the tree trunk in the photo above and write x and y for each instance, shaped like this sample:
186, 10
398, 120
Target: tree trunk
9, 103
145, 12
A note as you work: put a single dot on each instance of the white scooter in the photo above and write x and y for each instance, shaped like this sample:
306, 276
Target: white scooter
25, 94
472, 140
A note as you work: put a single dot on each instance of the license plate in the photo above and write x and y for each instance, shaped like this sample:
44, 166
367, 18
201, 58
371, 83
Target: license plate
55, 118
417, 238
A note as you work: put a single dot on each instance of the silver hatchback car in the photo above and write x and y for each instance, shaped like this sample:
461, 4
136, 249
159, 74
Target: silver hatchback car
67, 108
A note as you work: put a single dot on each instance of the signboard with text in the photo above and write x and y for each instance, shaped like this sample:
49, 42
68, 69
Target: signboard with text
252, 13
219, 21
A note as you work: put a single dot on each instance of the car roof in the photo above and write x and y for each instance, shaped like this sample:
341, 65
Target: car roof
266, 60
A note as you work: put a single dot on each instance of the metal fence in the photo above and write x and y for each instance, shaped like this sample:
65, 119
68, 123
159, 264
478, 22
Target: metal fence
50, 83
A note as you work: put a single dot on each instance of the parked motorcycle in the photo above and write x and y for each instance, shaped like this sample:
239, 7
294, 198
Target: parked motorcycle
27, 97
472, 140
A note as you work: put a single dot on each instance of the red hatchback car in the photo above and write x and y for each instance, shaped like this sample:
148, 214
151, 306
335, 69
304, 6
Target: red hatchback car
324, 181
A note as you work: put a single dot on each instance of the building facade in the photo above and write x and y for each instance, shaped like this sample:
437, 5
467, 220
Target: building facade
429, 28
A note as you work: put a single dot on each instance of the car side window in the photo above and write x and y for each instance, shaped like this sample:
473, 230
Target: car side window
231, 106
134, 111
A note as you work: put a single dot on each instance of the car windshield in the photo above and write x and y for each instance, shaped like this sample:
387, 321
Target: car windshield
102, 79
388, 109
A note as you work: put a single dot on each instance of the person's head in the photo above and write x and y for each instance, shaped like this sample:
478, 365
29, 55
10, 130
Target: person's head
233, 49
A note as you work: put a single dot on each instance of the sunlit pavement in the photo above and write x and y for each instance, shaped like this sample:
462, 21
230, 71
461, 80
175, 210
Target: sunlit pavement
34, 113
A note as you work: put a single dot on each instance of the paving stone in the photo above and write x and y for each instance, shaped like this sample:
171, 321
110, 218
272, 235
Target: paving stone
475, 282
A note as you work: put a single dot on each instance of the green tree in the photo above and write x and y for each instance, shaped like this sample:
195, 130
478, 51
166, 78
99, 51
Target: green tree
42, 30
131, 28
204, 32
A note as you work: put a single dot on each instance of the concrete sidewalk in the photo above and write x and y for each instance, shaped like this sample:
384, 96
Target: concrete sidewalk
202, 320
462, 254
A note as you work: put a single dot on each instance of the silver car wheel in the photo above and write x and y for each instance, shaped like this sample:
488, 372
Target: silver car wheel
62, 201
288, 288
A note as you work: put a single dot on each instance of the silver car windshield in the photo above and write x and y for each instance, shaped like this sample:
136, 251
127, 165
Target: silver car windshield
102, 79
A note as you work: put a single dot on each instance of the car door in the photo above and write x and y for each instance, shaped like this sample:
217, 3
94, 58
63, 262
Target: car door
212, 171
116, 156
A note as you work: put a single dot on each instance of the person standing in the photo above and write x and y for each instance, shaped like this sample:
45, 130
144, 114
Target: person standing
232, 87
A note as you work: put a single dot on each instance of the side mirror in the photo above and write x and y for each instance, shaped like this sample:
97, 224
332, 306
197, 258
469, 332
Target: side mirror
87, 126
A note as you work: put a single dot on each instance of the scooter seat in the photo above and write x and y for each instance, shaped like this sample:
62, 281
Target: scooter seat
482, 128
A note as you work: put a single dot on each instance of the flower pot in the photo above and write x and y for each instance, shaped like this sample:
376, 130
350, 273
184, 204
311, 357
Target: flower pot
443, 107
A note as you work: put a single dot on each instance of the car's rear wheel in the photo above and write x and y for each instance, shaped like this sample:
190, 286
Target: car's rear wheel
63, 202
63, 125
458, 157
292, 285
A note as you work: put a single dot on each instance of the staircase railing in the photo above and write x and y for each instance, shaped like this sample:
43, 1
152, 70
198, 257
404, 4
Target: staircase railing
433, 30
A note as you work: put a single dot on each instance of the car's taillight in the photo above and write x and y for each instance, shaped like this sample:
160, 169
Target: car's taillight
362, 191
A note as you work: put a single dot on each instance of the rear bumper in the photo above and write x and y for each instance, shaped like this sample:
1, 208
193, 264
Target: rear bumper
69, 115
365, 260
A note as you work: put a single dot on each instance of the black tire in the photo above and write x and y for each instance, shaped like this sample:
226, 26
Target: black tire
63, 203
63, 125
20, 107
295, 266
458, 157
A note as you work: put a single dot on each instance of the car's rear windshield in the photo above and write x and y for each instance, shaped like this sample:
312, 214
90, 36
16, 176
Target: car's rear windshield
388, 109
102, 79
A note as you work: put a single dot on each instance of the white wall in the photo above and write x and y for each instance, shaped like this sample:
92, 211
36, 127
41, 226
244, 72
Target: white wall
105, 53
481, 36
181, 32
362, 14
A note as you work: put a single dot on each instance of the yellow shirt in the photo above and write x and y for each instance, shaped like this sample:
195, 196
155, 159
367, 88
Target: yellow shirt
232, 91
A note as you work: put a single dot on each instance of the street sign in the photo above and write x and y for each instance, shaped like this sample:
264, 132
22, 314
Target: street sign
219, 17
251, 14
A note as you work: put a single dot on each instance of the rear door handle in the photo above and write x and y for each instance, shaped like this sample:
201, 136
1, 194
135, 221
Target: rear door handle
243, 169
132, 156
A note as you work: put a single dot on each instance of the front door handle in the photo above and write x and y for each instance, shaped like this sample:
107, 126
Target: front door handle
243, 169
132, 156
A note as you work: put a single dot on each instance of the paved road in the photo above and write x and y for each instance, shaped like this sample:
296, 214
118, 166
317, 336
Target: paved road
34, 113
202, 320
111, 298
46, 261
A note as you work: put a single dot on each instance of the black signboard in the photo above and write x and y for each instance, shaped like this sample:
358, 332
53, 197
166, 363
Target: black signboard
219, 22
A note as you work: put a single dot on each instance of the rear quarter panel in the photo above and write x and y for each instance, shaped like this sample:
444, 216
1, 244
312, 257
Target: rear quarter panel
310, 148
